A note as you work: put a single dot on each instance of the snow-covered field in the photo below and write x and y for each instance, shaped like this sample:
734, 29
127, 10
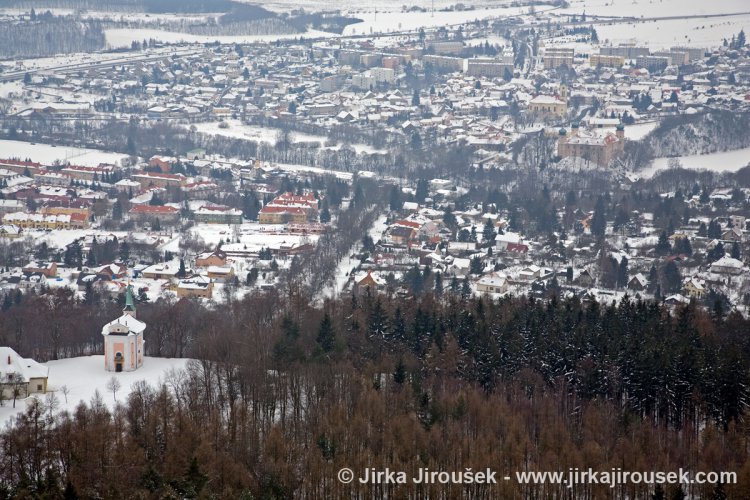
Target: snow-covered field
639, 130
124, 37
252, 236
698, 32
85, 375
316, 170
47, 154
728, 161
632, 132
655, 8
384, 22
354, 6
236, 129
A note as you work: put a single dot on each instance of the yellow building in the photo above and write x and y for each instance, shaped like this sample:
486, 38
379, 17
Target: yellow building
197, 286
606, 61
599, 149
547, 105
44, 222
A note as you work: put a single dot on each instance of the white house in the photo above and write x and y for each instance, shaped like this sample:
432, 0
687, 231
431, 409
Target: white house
492, 284
727, 265
123, 339
24, 374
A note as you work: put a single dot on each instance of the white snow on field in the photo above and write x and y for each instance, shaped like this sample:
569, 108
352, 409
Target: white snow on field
728, 161
316, 170
124, 37
47, 154
639, 130
632, 132
7, 88
655, 8
384, 22
698, 32
85, 375
354, 6
236, 129
252, 237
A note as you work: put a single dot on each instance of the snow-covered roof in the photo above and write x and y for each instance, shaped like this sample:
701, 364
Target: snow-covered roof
11, 362
509, 237
133, 325
728, 262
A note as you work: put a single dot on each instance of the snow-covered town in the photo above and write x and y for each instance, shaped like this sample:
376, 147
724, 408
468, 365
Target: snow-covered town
312, 121
199, 193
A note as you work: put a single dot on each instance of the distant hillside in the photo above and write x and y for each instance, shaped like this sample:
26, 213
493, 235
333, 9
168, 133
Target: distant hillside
151, 6
53, 35
700, 134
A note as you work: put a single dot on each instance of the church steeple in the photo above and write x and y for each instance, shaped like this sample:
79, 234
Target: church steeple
129, 308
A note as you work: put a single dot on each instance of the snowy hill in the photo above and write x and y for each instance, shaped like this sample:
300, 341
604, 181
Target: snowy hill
85, 375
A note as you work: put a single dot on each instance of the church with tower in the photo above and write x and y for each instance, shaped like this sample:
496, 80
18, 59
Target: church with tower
123, 339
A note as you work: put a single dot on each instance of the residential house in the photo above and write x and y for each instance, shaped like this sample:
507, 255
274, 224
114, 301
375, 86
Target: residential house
695, 288
638, 283
196, 286
492, 284
215, 258
220, 274
24, 376
47, 269
727, 265
368, 281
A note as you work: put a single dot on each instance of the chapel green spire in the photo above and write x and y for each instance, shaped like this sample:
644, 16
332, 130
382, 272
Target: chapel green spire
129, 301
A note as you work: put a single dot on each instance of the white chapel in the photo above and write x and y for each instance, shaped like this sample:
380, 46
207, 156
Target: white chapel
123, 339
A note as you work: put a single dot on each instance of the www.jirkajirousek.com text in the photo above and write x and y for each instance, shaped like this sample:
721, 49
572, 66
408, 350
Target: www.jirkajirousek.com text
615, 477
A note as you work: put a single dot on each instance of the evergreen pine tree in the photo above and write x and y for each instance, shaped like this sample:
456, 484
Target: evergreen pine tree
735, 252
326, 338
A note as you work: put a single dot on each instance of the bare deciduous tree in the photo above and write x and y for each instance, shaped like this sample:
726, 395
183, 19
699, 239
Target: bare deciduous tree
114, 385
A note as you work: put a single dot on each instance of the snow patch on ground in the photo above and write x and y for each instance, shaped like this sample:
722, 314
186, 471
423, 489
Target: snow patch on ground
237, 130
384, 22
727, 161
654, 8
47, 154
316, 170
697, 32
85, 375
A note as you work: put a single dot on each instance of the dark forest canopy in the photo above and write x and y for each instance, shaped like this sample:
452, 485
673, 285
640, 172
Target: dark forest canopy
286, 394
56, 35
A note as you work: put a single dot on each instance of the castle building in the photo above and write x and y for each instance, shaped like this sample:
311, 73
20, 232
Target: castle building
599, 149
123, 339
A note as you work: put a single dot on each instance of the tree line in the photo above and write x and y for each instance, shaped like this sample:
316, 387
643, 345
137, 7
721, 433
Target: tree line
283, 394
49, 36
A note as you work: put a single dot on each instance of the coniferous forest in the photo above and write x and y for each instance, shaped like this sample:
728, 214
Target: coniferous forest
286, 394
